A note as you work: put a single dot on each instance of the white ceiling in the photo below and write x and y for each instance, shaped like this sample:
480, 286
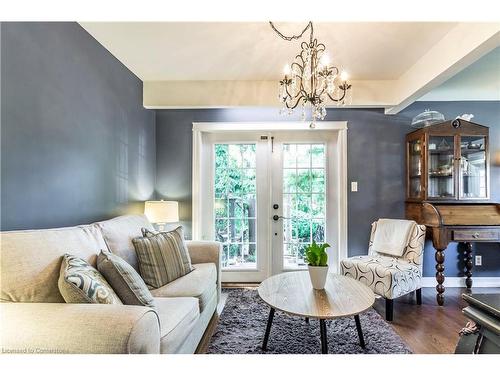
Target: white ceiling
169, 51
231, 64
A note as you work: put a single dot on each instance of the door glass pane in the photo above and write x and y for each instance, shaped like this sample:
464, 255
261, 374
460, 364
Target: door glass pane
304, 200
318, 156
289, 156
473, 167
235, 204
441, 158
415, 168
289, 180
318, 230
303, 156
303, 180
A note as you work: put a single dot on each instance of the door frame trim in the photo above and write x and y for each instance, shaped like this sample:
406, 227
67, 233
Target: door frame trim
213, 127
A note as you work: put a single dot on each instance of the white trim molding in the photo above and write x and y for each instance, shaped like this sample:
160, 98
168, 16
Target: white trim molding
231, 94
215, 127
459, 282
196, 185
344, 193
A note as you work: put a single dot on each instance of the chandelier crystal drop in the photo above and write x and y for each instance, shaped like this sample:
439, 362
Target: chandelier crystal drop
310, 80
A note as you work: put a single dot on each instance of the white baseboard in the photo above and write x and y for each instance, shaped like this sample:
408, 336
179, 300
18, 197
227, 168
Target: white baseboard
477, 282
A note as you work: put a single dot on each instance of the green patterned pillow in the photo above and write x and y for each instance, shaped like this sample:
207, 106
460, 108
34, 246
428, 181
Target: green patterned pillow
79, 282
162, 257
124, 279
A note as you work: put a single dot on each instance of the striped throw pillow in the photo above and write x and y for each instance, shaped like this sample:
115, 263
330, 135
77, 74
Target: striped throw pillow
162, 257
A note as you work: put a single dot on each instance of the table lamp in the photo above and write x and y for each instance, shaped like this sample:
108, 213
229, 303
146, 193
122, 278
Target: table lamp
496, 160
162, 212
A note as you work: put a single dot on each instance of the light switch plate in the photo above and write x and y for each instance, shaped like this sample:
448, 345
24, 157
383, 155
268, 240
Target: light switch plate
479, 260
354, 185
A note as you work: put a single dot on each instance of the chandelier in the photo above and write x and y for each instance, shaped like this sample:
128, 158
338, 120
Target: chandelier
310, 80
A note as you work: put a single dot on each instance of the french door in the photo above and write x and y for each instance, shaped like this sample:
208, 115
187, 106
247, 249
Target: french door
266, 196
300, 204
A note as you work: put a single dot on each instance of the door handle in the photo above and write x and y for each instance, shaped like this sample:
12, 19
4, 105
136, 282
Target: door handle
277, 217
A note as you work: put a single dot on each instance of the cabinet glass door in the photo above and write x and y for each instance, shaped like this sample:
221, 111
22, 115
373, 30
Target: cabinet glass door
415, 168
473, 167
441, 156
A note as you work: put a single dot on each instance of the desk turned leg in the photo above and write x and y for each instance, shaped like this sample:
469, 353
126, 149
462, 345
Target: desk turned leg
468, 265
440, 276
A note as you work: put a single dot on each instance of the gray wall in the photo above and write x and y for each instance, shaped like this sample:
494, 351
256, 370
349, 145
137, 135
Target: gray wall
77, 145
375, 160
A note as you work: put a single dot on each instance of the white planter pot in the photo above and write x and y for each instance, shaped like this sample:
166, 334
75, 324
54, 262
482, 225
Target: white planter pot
318, 276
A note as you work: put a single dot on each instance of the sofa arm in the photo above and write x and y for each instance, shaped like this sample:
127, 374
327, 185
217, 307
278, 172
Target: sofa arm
78, 328
207, 252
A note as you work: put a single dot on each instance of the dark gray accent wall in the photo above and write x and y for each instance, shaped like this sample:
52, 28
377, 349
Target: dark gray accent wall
77, 145
375, 159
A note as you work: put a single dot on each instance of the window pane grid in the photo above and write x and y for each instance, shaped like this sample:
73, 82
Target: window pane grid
304, 200
235, 213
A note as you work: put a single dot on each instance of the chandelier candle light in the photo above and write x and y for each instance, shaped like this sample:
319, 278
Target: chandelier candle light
310, 80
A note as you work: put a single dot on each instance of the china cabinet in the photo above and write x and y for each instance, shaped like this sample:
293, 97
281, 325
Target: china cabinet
448, 189
448, 162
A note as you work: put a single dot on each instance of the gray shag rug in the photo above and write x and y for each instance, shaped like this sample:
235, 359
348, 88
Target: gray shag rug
243, 322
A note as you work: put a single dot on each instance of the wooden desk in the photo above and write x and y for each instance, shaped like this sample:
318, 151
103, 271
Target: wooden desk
456, 222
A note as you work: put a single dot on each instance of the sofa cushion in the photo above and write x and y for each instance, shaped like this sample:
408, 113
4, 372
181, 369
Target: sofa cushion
79, 282
387, 276
162, 257
124, 280
178, 317
201, 283
31, 260
119, 232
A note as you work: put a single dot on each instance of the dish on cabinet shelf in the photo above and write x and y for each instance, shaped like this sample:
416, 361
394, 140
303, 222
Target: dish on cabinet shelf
443, 146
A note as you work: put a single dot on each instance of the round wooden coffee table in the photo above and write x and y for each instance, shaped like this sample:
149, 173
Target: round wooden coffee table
292, 293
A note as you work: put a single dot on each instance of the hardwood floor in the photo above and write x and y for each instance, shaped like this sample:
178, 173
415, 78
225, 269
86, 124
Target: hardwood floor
427, 329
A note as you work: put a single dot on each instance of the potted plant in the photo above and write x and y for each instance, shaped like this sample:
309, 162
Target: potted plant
317, 260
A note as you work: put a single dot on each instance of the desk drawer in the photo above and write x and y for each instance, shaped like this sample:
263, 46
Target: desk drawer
476, 235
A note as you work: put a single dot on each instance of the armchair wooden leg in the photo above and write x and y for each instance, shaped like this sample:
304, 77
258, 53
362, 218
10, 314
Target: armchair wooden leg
419, 296
389, 307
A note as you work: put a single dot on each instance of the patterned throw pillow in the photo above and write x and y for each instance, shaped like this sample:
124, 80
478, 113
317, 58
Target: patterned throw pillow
163, 257
124, 279
79, 282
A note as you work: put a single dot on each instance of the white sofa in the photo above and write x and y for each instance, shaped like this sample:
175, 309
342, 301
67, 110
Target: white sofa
35, 318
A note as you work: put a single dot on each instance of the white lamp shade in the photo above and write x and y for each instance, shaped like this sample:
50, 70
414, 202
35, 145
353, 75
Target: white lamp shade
162, 211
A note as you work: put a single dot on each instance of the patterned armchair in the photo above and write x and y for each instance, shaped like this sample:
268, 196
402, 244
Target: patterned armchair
389, 276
